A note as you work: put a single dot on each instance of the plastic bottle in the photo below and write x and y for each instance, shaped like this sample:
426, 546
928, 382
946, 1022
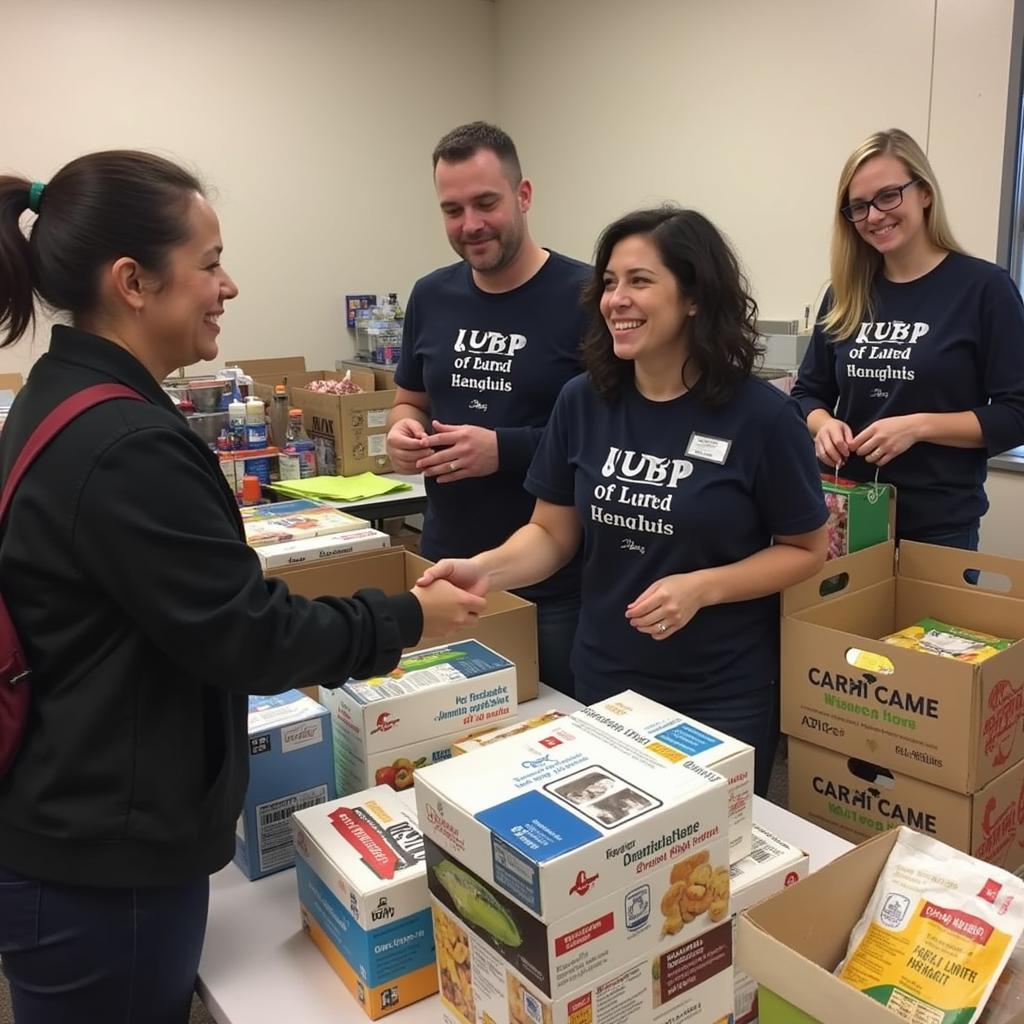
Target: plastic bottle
236, 424
279, 417
255, 423
298, 460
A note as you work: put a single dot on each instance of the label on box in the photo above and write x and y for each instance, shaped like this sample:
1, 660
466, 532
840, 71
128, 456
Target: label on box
274, 827
301, 734
376, 418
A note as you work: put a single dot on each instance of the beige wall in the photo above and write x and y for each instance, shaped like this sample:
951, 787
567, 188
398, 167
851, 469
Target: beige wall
747, 110
313, 120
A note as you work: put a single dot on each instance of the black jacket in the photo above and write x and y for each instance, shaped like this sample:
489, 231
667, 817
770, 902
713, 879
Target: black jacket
146, 621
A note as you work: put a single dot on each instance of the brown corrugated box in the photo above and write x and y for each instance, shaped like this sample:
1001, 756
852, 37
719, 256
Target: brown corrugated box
947, 722
11, 382
793, 941
508, 624
856, 800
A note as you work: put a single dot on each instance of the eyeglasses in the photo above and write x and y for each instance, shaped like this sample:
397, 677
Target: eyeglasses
887, 199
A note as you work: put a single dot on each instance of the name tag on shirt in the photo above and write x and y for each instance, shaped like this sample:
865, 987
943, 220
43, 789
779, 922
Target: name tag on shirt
709, 449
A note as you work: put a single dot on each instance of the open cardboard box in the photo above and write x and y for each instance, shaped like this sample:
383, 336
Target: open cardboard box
508, 624
856, 800
947, 722
791, 942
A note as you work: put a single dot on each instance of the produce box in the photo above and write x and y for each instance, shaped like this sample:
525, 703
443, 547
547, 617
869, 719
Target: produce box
290, 768
363, 896
313, 549
567, 856
948, 722
772, 865
793, 941
858, 515
692, 984
856, 799
630, 720
394, 723
507, 625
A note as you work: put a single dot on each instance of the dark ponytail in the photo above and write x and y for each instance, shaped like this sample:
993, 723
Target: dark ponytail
17, 310
94, 210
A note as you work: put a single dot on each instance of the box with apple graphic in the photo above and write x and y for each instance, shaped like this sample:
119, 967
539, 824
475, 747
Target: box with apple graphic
386, 727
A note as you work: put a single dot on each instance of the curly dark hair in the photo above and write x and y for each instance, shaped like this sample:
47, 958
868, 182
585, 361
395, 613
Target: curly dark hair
463, 142
721, 338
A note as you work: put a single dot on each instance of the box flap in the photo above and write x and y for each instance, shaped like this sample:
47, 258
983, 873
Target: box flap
936, 564
841, 576
280, 364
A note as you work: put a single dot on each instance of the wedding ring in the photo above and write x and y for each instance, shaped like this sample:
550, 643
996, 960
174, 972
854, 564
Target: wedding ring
453, 466
662, 628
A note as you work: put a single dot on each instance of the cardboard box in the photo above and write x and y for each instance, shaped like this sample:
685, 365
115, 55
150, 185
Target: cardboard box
290, 768
394, 721
508, 625
856, 800
772, 865
11, 382
485, 737
791, 942
312, 549
947, 722
283, 521
629, 720
270, 369
363, 896
692, 984
349, 431
557, 819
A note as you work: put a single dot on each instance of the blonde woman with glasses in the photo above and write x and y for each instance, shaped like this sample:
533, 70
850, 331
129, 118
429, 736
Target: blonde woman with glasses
915, 372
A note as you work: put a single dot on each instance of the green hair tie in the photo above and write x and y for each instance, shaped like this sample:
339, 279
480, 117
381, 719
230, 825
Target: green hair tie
35, 195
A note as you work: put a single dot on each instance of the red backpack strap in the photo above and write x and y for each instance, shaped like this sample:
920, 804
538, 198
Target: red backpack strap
54, 422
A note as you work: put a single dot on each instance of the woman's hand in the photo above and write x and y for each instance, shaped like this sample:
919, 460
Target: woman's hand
667, 605
883, 440
832, 442
446, 608
464, 573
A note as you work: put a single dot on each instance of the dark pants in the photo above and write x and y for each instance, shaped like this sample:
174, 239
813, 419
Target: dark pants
556, 630
76, 954
966, 537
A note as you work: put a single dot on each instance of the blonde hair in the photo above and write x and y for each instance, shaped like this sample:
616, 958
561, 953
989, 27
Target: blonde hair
854, 262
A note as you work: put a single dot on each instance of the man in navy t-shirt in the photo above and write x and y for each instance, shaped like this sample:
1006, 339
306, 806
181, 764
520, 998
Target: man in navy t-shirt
488, 343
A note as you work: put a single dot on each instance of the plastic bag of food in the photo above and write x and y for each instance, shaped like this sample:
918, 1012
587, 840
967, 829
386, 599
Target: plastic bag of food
936, 933
935, 637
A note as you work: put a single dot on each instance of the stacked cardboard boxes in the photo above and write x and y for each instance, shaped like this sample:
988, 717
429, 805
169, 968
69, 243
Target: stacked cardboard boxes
577, 879
919, 740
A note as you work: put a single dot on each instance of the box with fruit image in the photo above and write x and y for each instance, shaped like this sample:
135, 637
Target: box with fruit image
630, 720
402, 720
691, 982
363, 899
678, 901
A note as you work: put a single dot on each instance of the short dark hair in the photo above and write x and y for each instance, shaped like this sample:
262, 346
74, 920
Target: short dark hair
463, 142
722, 335
95, 209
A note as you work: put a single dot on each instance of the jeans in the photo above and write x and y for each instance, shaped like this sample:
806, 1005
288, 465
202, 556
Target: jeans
965, 537
556, 633
74, 954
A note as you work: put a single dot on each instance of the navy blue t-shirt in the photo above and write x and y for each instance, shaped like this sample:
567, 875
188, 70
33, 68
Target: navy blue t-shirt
951, 341
497, 361
650, 508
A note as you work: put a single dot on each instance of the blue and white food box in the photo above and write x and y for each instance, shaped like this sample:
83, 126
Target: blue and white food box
388, 727
630, 720
290, 767
586, 855
363, 896
313, 549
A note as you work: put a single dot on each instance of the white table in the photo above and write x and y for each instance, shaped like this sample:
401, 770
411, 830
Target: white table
258, 966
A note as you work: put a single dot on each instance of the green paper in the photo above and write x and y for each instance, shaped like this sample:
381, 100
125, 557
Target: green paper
341, 488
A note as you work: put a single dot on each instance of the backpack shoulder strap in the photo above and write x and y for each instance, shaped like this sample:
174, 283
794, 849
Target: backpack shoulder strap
53, 423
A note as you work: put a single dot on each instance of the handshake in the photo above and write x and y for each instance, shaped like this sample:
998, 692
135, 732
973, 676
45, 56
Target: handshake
452, 594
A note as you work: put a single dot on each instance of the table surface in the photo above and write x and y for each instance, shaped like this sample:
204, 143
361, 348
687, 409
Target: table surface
258, 965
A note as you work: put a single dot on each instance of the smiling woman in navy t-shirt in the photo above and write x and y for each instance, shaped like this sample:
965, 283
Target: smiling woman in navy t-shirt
692, 484
915, 372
